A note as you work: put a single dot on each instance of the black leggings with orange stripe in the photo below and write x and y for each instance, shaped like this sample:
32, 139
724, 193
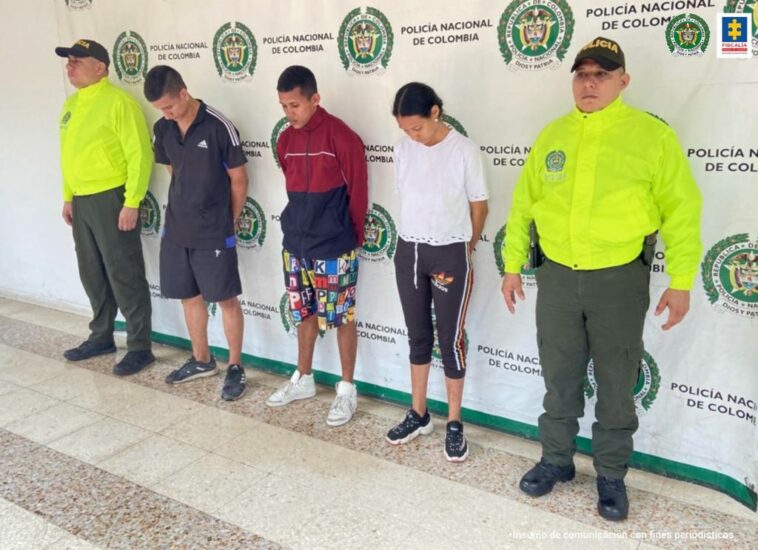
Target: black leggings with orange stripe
434, 283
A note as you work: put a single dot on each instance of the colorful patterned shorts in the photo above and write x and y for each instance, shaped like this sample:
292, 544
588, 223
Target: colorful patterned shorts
322, 287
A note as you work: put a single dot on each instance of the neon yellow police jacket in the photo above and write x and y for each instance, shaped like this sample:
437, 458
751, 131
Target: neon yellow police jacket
596, 184
105, 143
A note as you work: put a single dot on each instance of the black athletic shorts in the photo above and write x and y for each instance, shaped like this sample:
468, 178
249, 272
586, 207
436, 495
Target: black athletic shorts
187, 272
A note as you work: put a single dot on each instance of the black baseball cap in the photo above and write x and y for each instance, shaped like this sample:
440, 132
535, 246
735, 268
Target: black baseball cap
604, 51
85, 48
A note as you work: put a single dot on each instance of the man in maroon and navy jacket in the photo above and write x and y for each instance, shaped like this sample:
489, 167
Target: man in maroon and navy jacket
325, 170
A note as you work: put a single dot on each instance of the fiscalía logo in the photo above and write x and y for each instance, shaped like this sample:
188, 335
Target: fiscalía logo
749, 8
150, 215
251, 225
535, 34
280, 127
730, 275
365, 42
453, 123
130, 57
555, 161
527, 275
79, 4
687, 35
235, 52
646, 389
380, 235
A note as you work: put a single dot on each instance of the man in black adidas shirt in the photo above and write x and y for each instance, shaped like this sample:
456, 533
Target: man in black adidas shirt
198, 260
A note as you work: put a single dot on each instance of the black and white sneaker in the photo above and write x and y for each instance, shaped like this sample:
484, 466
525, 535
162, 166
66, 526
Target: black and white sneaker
456, 448
410, 428
191, 369
234, 383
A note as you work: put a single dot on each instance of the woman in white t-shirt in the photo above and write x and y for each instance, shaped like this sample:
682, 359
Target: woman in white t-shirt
439, 175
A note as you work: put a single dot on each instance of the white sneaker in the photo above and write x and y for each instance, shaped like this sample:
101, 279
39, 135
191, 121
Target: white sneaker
344, 405
300, 386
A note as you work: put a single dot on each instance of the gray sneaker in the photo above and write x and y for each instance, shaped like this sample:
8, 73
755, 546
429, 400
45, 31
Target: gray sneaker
300, 386
344, 404
191, 369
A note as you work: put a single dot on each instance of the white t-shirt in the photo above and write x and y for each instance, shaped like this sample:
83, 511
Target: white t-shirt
436, 185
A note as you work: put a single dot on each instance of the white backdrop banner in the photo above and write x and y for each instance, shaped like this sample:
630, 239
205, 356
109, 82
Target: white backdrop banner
502, 69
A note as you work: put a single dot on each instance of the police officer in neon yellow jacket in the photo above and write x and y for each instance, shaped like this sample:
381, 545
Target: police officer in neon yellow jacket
106, 160
596, 183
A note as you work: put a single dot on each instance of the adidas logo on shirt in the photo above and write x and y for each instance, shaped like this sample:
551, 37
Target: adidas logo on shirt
202, 145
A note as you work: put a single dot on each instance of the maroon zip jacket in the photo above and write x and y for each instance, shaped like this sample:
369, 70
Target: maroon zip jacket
324, 166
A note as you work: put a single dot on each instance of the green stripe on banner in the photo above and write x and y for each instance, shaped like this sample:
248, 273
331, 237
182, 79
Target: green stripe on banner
650, 463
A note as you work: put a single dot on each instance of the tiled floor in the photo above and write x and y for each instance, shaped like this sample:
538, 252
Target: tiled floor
88, 460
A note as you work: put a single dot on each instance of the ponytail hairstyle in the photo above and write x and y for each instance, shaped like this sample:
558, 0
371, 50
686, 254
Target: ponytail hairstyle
416, 98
